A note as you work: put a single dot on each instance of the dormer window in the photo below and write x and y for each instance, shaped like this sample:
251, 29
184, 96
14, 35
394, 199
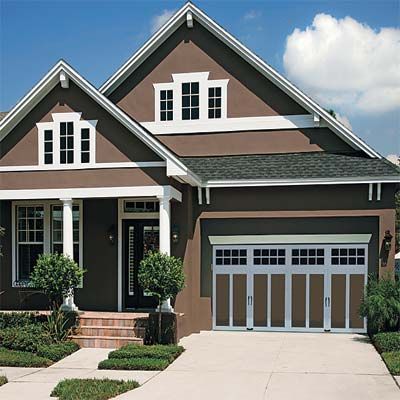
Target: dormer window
190, 97
66, 141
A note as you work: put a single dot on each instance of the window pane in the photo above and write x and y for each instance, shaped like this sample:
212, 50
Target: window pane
85, 158
48, 159
27, 256
48, 135
195, 87
85, 133
185, 88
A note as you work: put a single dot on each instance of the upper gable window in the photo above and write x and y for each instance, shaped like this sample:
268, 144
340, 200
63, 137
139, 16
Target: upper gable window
66, 141
190, 96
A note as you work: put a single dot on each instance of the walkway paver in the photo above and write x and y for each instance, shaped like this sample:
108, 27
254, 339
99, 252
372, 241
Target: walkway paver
37, 383
272, 366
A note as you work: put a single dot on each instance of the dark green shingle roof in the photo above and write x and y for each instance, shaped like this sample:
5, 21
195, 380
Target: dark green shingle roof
318, 165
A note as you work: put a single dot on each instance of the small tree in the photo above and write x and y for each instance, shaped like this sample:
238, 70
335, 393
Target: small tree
56, 274
163, 277
381, 304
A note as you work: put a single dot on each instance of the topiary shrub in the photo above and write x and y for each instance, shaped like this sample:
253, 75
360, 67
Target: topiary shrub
56, 275
15, 319
139, 364
381, 304
57, 351
387, 341
162, 276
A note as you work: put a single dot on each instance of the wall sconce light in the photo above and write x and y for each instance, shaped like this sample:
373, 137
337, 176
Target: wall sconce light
387, 241
111, 234
175, 234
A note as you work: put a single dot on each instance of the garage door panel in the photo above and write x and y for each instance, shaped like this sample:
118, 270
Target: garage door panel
299, 300
316, 301
239, 300
356, 295
338, 301
260, 313
278, 300
222, 299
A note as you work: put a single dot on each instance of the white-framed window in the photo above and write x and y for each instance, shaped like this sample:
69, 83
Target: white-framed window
231, 256
268, 256
308, 256
348, 256
66, 141
37, 229
190, 96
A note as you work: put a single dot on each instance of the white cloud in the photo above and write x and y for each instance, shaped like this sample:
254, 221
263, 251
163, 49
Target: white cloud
345, 64
252, 14
394, 158
158, 20
344, 120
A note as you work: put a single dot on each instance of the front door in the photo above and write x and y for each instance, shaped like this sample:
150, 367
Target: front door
139, 237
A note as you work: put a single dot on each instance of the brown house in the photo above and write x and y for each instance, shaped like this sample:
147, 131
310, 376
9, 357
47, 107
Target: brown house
198, 148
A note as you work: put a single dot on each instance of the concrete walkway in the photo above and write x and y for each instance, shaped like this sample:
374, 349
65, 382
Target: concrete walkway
272, 366
37, 383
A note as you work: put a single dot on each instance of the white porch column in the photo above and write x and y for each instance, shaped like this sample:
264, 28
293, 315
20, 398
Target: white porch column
165, 236
68, 246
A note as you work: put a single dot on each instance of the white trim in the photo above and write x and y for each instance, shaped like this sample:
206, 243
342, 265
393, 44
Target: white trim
378, 191
116, 165
177, 126
47, 230
290, 239
98, 192
300, 182
370, 190
51, 79
180, 17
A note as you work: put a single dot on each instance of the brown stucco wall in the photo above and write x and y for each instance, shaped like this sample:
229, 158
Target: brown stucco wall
112, 177
114, 143
196, 50
255, 142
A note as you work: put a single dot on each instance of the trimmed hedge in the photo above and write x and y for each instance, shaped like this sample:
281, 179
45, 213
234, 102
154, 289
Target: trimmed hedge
24, 338
57, 351
141, 364
163, 352
18, 319
91, 389
12, 358
387, 341
3, 380
392, 360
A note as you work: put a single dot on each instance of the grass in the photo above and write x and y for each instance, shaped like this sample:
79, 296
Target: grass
91, 389
3, 380
14, 358
392, 360
145, 358
387, 342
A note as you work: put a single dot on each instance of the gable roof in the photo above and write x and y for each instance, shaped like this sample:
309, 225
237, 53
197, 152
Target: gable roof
294, 168
190, 10
175, 167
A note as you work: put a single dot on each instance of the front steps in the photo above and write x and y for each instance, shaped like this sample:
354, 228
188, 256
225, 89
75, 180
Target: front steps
110, 330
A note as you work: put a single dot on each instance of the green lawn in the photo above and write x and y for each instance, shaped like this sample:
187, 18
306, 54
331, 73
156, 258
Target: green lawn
14, 358
392, 360
91, 389
3, 380
145, 358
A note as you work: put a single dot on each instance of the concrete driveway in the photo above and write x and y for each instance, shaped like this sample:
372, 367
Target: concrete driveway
272, 366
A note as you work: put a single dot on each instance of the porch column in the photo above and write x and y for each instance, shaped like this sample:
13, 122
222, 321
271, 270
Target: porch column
165, 236
68, 246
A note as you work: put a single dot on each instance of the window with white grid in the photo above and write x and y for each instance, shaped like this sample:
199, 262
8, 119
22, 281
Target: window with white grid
348, 256
214, 102
269, 256
166, 105
231, 257
308, 256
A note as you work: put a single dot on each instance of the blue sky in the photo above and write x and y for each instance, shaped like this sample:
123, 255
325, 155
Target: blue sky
96, 37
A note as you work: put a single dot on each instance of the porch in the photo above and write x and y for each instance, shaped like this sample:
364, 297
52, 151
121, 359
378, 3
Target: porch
95, 227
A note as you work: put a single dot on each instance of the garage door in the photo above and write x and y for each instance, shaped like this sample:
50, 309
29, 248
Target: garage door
306, 287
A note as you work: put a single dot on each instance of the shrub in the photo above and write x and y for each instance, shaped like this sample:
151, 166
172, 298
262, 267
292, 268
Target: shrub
168, 329
134, 351
91, 389
56, 275
387, 341
3, 380
15, 319
12, 358
162, 276
24, 338
141, 364
392, 360
381, 304
57, 325
57, 351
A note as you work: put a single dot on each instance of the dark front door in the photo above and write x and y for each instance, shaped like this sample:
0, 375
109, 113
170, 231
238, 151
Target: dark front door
139, 237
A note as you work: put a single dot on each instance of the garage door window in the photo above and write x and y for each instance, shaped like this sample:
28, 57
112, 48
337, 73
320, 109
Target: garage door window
269, 256
231, 257
308, 256
348, 256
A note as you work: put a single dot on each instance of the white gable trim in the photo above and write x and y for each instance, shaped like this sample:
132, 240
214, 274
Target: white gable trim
174, 166
199, 16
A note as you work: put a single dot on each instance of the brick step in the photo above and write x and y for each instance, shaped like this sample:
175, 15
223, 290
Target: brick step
105, 342
115, 331
113, 321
